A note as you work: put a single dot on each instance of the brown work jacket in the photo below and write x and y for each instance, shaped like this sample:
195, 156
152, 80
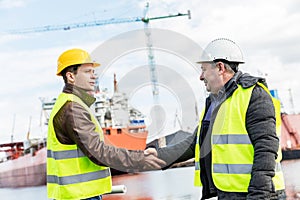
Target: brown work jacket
73, 125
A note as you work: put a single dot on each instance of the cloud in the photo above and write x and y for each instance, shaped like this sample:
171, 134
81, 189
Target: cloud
6, 4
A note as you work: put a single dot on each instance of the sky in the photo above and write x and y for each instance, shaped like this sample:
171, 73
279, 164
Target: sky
267, 32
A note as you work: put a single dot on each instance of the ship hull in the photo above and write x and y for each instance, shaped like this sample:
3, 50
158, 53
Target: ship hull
128, 138
26, 171
30, 170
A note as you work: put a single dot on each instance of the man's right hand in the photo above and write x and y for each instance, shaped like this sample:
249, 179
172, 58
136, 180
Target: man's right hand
152, 162
150, 151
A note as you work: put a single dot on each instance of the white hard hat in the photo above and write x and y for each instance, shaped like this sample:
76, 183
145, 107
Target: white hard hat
224, 49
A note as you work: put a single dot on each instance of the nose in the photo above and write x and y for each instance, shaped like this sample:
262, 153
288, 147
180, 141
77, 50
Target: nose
201, 77
94, 75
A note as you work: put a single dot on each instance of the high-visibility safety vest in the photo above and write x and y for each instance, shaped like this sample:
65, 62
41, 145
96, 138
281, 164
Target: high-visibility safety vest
232, 151
71, 174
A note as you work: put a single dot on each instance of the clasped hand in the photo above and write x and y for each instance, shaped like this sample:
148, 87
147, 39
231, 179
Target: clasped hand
152, 162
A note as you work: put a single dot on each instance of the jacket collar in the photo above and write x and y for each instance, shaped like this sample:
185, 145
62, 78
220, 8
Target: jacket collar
246, 80
82, 94
239, 78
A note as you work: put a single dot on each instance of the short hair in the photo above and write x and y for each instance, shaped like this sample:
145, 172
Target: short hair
231, 66
72, 68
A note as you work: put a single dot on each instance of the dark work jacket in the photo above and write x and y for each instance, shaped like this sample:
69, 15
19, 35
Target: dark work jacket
260, 124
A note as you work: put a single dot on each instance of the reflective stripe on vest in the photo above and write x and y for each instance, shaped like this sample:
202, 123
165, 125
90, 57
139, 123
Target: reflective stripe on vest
238, 168
66, 180
230, 137
71, 174
58, 155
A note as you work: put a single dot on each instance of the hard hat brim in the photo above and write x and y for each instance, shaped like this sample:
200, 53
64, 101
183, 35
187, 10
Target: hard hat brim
209, 61
95, 64
204, 61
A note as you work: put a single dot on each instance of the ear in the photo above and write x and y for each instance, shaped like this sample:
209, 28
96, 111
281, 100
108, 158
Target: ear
70, 77
221, 67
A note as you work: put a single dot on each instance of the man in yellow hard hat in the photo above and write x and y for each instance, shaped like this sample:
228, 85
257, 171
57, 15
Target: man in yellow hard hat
78, 160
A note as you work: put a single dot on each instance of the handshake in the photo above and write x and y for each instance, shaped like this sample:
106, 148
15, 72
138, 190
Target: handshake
152, 162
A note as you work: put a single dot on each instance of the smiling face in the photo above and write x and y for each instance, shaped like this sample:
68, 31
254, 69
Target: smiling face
211, 77
85, 77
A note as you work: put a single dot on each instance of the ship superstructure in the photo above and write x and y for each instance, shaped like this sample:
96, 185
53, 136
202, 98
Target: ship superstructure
122, 125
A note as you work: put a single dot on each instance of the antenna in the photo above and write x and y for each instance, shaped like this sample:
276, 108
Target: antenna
291, 101
29, 126
13, 129
177, 120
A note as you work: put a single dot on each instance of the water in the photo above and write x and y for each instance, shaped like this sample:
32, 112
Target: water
30, 193
290, 169
171, 184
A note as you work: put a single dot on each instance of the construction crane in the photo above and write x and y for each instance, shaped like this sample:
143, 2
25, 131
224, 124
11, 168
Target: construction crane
145, 19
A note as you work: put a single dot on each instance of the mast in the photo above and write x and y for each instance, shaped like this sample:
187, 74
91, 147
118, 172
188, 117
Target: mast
115, 84
291, 101
29, 126
13, 129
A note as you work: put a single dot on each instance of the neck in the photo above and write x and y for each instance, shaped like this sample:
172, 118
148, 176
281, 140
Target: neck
225, 78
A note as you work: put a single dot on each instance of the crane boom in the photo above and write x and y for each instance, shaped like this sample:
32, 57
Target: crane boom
66, 27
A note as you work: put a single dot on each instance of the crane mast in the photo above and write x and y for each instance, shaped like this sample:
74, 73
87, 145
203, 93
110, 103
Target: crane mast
151, 60
153, 72
154, 83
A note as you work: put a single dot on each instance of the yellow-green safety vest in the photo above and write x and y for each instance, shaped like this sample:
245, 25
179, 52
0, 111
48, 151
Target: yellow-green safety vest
71, 174
232, 151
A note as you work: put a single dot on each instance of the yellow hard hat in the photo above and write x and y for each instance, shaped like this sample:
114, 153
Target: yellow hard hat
73, 57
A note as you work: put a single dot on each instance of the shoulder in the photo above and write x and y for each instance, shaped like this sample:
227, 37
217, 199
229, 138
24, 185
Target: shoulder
72, 105
73, 110
261, 103
247, 80
259, 90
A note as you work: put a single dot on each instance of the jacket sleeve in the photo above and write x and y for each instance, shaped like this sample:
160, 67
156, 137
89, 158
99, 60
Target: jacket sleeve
80, 129
179, 152
261, 127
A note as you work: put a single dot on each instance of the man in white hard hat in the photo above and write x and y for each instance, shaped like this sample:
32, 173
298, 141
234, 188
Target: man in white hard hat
78, 160
236, 146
